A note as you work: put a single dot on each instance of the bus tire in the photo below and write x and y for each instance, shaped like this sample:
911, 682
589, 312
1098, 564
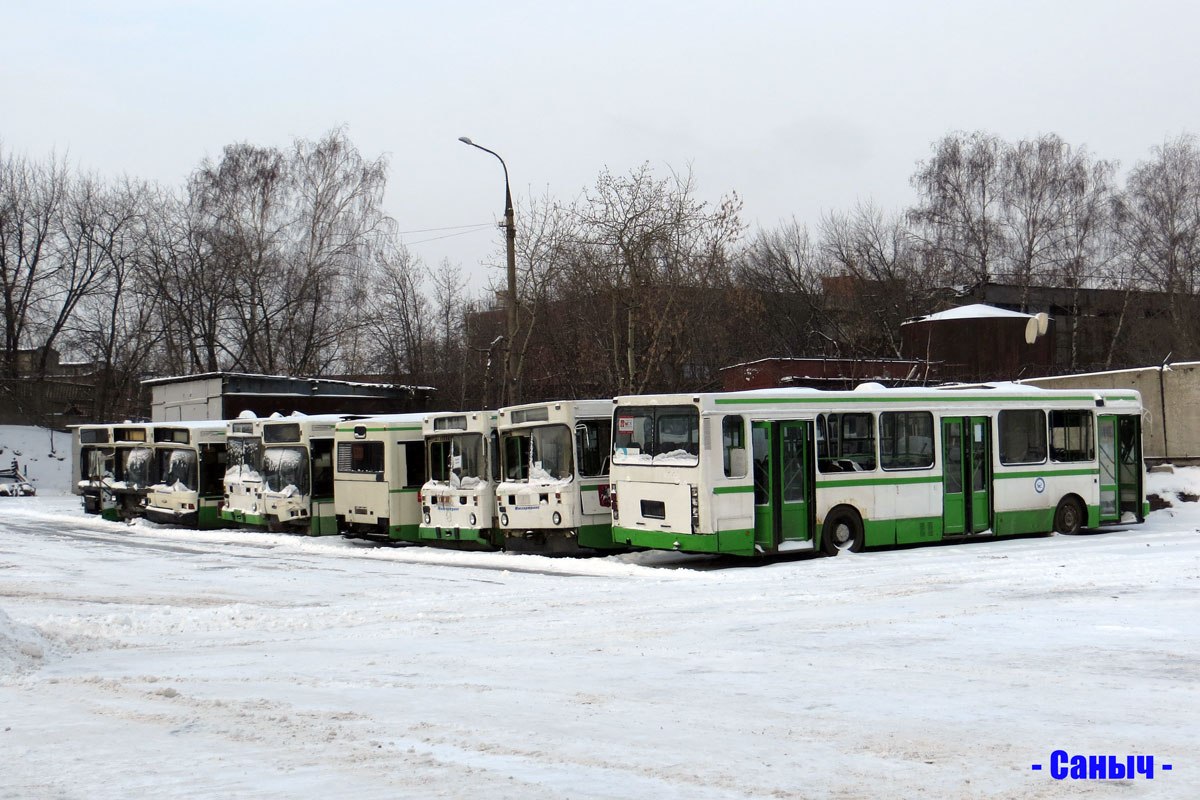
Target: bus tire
843, 530
1068, 517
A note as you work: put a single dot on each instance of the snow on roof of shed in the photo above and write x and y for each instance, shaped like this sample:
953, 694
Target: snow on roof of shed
975, 311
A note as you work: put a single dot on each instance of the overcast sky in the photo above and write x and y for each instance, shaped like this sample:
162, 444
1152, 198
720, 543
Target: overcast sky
800, 107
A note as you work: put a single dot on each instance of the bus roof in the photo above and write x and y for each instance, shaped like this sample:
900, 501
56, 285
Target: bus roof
349, 423
869, 394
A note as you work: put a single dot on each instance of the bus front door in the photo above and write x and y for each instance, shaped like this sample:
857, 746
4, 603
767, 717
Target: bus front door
966, 475
783, 482
1110, 506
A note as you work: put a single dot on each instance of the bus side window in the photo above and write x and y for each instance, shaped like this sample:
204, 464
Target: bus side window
733, 445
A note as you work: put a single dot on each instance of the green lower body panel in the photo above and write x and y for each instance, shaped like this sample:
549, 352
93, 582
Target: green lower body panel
599, 537
1093, 514
470, 537
1038, 520
242, 518
208, 517
735, 542
405, 533
917, 530
428, 534
322, 526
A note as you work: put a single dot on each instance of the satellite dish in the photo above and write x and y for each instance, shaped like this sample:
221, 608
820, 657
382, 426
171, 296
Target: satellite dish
1031, 330
1043, 323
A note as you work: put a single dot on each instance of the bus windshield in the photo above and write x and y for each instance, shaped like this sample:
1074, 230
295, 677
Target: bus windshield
538, 455
285, 470
244, 457
667, 435
138, 466
177, 469
458, 460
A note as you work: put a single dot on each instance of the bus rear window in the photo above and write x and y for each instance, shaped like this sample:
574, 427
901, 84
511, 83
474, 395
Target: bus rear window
668, 435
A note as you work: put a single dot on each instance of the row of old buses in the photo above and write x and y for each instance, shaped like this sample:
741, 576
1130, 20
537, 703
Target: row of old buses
530, 478
740, 473
170, 472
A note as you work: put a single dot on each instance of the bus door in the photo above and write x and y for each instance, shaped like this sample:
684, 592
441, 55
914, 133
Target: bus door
1129, 465
1108, 433
783, 482
966, 478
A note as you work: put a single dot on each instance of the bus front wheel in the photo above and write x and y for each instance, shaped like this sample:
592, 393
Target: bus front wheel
1068, 517
843, 530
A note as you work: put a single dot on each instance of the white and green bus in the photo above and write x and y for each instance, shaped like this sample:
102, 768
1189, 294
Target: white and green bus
775, 470
553, 496
280, 473
458, 501
189, 469
94, 458
116, 466
379, 468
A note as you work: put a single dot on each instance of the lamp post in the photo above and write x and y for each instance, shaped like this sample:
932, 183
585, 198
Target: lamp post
510, 396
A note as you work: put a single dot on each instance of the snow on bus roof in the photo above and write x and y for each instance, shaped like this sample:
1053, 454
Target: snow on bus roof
973, 311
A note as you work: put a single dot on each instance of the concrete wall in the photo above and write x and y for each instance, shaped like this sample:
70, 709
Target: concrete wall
1171, 395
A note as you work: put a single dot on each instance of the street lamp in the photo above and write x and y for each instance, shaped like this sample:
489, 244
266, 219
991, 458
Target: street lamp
510, 230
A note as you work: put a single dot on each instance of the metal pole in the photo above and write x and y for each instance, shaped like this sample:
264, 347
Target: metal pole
511, 393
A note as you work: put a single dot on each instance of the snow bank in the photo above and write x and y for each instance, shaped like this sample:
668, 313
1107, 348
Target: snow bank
1171, 485
22, 647
43, 455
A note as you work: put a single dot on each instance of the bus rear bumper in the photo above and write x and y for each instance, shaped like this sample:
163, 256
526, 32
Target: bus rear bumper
735, 542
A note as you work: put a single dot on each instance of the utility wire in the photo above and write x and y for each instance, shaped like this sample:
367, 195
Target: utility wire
447, 236
450, 228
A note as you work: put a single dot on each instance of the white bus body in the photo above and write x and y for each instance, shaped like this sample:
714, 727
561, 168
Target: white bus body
380, 464
92, 457
189, 468
113, 468
458, 500
287, 485
553, 496
775, 470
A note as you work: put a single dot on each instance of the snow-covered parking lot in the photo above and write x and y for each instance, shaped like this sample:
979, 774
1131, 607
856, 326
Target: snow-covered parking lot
147, 661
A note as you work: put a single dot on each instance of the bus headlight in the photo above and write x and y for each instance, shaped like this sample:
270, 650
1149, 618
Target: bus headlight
427, 518
474, 521
557, 518
504, 520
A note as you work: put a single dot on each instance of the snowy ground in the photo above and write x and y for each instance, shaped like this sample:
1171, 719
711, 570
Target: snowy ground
146, 661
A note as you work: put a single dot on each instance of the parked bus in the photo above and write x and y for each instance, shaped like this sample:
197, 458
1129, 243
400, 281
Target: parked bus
93, 458
380, 466
458, 500
774, 470
280, 473
114, 468
189, 468
553, 497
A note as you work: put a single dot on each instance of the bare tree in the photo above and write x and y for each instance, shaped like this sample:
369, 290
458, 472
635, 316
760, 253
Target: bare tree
960, 192
399, 314
882, 280
784, 271
31, 197
656, 250
1159, 214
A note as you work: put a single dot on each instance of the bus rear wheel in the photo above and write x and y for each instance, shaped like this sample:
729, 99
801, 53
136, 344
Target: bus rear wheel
1068, 517
843, 530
